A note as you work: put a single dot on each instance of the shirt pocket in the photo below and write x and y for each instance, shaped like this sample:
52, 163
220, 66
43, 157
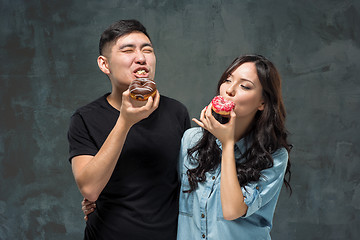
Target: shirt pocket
186, 199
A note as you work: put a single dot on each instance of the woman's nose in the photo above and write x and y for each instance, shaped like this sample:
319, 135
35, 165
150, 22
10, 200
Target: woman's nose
230, 91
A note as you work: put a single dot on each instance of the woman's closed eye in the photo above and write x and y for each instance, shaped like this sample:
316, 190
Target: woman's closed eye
245, 87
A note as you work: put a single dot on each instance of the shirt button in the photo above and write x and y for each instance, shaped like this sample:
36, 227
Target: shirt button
213, 178
203, 235
202, 215
257, 187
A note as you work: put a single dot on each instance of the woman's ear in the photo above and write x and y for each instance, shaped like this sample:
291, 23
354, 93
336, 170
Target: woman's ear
102, 62
262, 106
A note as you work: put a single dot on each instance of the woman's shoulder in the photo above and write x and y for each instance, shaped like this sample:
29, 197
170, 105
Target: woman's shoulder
191, 137
281, 153
193, 133
280, 157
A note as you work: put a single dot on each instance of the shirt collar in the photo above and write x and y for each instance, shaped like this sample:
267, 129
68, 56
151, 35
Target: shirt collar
239, 148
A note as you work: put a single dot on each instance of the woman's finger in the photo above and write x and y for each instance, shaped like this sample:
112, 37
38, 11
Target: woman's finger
211, 117
202, 115
198, 122
88, 211
232, 116
211, 121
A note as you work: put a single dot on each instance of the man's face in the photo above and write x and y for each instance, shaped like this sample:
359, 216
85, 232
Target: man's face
132, 56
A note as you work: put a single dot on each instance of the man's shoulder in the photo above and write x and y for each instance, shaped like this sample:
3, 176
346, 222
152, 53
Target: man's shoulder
99, 103
172, 103
169, 100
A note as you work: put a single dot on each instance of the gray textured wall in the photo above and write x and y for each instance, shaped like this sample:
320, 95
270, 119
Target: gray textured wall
48, 52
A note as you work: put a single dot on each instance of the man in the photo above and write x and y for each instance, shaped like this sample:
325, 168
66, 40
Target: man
124, 156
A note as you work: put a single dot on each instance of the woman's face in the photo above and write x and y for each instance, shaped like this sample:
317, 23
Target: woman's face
244, 89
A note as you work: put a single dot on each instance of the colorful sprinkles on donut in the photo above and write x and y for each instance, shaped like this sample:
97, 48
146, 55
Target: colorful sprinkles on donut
222, 106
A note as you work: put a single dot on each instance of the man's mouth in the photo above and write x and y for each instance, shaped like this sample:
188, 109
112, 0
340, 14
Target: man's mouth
141, 72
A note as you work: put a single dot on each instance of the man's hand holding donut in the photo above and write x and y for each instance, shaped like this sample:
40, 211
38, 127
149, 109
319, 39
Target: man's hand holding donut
132, 111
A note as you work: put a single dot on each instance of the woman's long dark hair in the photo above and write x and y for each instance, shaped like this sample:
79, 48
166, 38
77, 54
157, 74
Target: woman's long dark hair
266, 134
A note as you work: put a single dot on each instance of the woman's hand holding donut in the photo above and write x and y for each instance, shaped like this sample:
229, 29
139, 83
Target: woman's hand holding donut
87, 207
224, 132
132, 111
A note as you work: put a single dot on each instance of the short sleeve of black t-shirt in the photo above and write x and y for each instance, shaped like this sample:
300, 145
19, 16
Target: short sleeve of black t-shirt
140, 199
89, 127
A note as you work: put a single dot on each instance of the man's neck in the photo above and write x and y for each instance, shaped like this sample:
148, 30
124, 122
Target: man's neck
115, 100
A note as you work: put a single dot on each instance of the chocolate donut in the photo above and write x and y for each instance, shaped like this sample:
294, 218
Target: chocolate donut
142, 88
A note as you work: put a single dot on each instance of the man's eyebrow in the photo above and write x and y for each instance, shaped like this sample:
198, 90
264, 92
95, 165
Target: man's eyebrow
133, 45
146, 45
127, 45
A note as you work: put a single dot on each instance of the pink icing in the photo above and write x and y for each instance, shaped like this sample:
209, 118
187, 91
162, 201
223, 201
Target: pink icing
222, 105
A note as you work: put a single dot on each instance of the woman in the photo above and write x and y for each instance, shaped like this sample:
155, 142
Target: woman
231, 174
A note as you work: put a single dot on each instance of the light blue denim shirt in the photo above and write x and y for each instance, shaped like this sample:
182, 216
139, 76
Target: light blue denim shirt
200, 212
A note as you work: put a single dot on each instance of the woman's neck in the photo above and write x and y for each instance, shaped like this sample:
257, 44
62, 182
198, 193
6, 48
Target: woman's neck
242, 127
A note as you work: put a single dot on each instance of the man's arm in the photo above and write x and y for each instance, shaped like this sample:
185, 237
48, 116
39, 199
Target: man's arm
92, 173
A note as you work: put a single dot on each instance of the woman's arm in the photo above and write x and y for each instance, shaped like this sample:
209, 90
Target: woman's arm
232, 199
87, 207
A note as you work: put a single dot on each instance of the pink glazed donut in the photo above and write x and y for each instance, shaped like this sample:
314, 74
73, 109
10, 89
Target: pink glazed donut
222, 106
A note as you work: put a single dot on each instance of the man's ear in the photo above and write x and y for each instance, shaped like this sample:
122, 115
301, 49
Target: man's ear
102, 62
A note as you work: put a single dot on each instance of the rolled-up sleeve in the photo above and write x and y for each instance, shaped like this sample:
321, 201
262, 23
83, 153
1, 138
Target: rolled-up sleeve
259, 193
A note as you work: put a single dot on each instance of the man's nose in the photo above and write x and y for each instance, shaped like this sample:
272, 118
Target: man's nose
140, 58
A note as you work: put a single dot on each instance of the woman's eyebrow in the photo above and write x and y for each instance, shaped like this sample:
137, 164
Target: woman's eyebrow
245, 79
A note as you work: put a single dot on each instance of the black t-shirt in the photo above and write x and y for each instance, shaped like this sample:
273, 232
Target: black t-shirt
140, 201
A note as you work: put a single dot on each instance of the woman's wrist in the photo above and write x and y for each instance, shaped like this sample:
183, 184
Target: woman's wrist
228, 150
228, 144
